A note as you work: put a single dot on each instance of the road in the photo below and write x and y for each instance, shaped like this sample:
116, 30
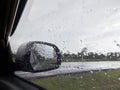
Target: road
73, 67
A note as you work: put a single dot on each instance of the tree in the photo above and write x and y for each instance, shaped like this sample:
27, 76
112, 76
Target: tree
83, 52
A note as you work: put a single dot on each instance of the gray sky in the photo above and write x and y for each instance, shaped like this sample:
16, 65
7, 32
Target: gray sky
71, 24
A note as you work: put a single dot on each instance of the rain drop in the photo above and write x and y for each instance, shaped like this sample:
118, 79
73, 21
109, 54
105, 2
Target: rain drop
105, 74
91, 72
81, 77
118, 78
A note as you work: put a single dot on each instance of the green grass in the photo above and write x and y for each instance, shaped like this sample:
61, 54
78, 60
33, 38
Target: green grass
104, 80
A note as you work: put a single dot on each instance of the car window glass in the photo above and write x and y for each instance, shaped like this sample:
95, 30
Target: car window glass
87, 33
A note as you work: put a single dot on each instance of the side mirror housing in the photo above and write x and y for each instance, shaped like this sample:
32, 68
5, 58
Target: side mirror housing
37, 56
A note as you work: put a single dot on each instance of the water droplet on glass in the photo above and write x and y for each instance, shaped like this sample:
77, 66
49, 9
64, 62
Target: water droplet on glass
105, 73
115, 9
81, 77
100, 69
77, 67
91, 72
118, 78
94, 87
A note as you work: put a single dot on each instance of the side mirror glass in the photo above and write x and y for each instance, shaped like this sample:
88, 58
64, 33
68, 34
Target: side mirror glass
37, 56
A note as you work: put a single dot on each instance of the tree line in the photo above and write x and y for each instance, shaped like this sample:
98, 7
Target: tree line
91, 56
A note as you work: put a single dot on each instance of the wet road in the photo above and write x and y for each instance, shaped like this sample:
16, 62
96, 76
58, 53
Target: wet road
74, 67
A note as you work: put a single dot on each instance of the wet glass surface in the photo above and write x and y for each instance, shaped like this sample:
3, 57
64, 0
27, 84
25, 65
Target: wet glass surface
87, 33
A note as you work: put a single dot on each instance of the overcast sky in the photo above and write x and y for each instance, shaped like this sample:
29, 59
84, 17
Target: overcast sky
71, 24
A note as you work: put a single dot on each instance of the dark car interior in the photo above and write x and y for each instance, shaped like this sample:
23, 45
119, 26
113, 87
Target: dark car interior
10, 12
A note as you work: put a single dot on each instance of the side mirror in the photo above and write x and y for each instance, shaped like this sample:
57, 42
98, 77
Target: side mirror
37, 56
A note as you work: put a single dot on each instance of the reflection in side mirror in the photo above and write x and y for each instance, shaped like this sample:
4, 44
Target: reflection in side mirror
37, 56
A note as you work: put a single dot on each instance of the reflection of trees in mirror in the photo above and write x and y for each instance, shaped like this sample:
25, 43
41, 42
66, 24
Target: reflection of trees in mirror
40, 58
38, 55
91, 56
